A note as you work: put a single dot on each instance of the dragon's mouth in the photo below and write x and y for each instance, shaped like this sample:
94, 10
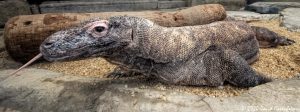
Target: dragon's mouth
82, 52
52, 55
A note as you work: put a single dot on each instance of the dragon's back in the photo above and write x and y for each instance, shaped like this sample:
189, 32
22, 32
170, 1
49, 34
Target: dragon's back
181, 43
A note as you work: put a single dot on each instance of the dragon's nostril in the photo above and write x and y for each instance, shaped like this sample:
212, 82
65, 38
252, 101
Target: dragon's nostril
48, 44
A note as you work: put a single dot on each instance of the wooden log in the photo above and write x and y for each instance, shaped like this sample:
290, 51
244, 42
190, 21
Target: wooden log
23, 34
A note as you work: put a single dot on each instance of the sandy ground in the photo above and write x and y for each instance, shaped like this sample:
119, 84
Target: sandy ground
278, 63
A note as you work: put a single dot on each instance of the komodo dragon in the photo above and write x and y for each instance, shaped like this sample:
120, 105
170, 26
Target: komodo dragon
191, 55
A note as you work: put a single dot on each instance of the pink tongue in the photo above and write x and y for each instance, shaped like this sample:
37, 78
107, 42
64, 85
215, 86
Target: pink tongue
28, 63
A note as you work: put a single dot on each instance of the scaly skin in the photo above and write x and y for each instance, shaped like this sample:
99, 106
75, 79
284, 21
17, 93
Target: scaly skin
192, 55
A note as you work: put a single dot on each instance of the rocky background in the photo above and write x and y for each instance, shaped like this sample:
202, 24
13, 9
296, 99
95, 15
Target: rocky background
10, 8
82, 86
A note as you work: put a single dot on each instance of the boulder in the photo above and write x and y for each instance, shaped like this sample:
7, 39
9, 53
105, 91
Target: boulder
38, 90
270, 7
11, 8
252, 1
250, 16
291, 19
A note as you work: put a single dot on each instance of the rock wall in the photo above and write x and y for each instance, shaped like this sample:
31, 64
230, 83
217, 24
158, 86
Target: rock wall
228, 4
129, 5
11, 8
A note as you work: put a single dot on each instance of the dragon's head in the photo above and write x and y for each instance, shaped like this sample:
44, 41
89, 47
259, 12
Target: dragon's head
93, 37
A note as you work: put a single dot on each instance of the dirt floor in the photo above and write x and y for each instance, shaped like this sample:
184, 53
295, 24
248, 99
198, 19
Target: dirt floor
278, 63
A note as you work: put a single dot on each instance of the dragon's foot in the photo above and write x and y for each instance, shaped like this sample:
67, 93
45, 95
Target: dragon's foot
122, 73
285, 41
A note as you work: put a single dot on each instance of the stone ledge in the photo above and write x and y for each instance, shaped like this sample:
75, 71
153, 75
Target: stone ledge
270, 7
278, 96
250, 16
41, 90
290, 18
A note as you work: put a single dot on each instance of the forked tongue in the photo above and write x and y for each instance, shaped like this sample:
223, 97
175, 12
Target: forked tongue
28, 63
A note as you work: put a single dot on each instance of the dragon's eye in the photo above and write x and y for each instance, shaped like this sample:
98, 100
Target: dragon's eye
99, 28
